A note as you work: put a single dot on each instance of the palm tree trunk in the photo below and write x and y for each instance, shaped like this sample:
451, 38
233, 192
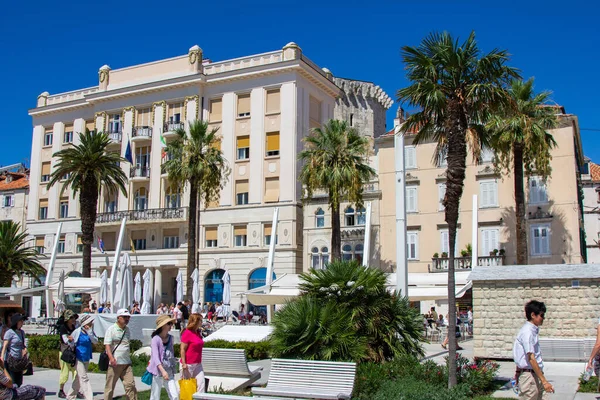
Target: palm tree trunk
88, 203
192, 224
336, 234
457, 155
521, 226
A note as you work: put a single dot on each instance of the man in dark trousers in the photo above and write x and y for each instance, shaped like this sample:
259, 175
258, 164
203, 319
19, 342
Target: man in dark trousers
185, 310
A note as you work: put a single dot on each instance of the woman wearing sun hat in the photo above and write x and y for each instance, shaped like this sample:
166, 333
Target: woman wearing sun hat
83, 338
162, 360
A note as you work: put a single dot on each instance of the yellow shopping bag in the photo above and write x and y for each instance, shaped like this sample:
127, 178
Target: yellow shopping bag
187, 388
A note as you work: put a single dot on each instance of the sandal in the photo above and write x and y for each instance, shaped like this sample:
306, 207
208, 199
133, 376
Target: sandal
444, 347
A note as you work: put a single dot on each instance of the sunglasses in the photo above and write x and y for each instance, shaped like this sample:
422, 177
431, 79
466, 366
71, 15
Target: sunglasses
169, 323
124, 316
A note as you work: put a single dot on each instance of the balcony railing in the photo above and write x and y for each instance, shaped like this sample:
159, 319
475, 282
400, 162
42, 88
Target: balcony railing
115, 137
464, 263
173, 126
155, 214
142, 131
139, 172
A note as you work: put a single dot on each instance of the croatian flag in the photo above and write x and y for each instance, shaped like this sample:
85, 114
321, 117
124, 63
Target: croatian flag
128, 155
101, 245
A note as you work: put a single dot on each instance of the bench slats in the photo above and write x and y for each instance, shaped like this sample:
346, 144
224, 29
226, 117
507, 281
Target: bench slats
231, 362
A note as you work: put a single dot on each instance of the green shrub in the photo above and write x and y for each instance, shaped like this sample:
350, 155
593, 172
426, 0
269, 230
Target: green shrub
410, 388
254, 350
43, 342
98, 347
478, 375
93, 367
590, 386
44, 358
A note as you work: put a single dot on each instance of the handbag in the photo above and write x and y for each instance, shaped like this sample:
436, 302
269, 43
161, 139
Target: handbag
103, 361
187, 388
17, 364
69, 357
29, 370
147, 378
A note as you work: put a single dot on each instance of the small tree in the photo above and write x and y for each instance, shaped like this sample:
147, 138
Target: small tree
16, 257
336, 161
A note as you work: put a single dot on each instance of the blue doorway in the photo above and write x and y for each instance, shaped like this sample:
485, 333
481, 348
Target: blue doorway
213, 286
258, 278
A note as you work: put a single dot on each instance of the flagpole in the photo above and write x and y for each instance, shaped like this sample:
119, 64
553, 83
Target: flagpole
50, 273
113, 274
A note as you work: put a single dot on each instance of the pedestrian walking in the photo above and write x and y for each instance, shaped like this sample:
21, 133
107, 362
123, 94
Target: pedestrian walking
162, 360
83, 338
178, 315
116, 342
66, 326
185, 310
191, 352
529, 374
14, 353
94, 307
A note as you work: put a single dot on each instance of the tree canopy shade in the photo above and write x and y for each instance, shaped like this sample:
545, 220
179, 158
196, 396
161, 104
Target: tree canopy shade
196, 159
17, 258
523, 144
457, 90
88, 168
336, 161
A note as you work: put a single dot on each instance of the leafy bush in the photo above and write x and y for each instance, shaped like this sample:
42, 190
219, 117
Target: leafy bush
45, 358
254, 350
43, 342
478, 375
590, 386
346, 313
410, 388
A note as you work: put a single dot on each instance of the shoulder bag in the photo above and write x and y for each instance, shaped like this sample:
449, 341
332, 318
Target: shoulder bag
104, 361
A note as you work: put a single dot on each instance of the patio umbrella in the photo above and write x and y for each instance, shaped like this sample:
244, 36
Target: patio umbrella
147, 294
179, 291
137, 288
226, 293
104, 287
125, 285
195, 292
60, 302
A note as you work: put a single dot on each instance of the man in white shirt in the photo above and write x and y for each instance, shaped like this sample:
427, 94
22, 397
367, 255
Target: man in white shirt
533, 385
220, 311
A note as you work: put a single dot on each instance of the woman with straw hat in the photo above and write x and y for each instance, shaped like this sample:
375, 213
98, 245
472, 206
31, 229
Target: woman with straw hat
162, 360
83, 338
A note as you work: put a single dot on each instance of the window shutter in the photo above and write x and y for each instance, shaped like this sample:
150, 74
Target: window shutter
176, 108
241, 187
273, 101
268, 230
243, 142
46, 168
271, 190
410, 157
444, 238
215, 112
410, 199
493, 194
441, 195
12, 200
44, 203
39, 241
171, 232
243, 104
239, 230
211, 233
272, 141
90, 125
143, 117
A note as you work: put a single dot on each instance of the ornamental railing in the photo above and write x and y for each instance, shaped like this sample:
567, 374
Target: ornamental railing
153, 214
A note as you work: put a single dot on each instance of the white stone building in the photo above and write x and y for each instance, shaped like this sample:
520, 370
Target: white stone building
590, 182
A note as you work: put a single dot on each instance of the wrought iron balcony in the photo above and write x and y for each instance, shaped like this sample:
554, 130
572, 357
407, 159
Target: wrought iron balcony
173, 126
440, 264
154, 214
115, 137
139, 172
142, 131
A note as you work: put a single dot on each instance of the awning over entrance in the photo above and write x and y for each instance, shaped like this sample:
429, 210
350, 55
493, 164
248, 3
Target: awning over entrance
432, 286
282, 289
72, 285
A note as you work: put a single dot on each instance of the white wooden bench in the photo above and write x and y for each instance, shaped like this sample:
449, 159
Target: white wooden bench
304, 379
566, 349
228, 368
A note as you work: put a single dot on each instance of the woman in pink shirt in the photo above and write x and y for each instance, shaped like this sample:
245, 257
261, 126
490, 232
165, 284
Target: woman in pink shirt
191, 352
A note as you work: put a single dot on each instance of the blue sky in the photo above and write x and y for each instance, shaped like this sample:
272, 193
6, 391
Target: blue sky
59, 46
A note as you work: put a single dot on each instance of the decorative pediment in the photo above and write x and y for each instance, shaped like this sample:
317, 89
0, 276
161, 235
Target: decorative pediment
539, 214
487, 171
410, 178
441, 177
353, 232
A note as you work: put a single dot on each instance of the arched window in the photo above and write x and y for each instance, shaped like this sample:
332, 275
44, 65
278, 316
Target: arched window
140, 200
361, 216
320, 218
347, 252
358, 253
315, 258
319, 259
258, 278
213, 286
324, 256
349, 213
173, 197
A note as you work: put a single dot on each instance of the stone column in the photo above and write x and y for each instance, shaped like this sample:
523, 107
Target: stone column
257, 144
35, 172
158, 110
288, 142
157, 287
128, 119
54, 192
227, 144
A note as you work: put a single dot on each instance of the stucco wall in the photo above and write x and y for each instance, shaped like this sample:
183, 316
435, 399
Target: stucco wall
498, 312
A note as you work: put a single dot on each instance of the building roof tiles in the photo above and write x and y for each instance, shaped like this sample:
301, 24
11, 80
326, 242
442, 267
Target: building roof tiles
18, 181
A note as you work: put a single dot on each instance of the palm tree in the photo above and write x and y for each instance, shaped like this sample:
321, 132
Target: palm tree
16, 258
456, 91
336, 161
87, 168
196, 158
523, 144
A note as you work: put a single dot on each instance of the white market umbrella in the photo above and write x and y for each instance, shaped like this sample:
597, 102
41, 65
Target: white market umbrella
60, 302
125, 285
195, 292
226, 293
147, 295
179, 290
137, 288
104, 287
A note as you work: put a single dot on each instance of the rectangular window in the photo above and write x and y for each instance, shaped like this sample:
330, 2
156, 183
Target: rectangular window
211, 237
243, 147
489, 241
540, 240
140, 244
174, 117
445, 242
241, 192
268, 231
144, 118
320, 218
68, 135
271, 190
239, 234
215, 113
443, 159
411, 199
537, 190
110, 206
64, 208
272, 147
171, 242
9, 200
48, 138
412, 245
273, 101
39, 244
488, 194
46, 171
79, 244
243, 105
61, 245
441, 196
410, 157
114, 124
43, 209
487, 155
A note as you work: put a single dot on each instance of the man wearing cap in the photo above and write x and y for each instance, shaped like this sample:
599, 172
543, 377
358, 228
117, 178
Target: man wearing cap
116, 342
